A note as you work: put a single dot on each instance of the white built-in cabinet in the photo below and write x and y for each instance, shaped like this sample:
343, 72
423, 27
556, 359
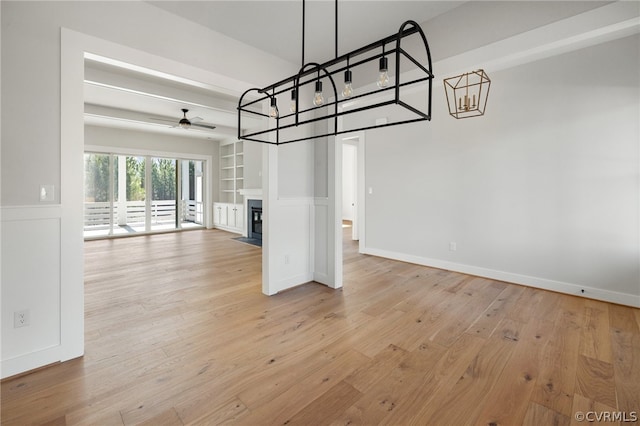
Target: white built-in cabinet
228, 216
228, 211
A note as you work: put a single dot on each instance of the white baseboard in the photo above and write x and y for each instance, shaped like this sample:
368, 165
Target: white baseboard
30, 361
228, 229
536, 282
293, 281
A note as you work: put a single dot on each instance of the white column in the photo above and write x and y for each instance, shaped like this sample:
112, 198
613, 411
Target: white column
199, 192
122, 190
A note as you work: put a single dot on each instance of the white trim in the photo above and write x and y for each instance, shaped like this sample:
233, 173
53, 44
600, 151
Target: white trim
102, 149
609, 22
71, 195
74, 46
290, 282
44, 356
34, 212
295, 201
510, 277
254, 194
30, 361
334, 213
606, 23
180, 156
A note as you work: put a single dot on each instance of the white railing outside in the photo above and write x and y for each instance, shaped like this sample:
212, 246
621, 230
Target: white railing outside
97, 215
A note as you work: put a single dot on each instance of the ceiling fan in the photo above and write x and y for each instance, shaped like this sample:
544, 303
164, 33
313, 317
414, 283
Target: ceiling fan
186, 123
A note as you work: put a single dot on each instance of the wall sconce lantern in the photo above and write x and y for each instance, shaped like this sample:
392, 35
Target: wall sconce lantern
467, 94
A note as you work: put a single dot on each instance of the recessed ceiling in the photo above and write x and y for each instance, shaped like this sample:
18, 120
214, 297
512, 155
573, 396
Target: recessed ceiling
117, 95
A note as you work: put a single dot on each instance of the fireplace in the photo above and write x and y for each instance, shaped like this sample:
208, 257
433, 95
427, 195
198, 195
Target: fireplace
254, 219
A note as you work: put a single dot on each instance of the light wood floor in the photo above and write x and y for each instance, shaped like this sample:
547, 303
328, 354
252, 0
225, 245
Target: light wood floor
178, 332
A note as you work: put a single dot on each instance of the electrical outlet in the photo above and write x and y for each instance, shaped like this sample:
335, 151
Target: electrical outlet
21, 318
286, 259
453, 246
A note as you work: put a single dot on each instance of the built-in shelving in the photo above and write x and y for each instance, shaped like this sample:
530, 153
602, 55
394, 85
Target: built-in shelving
228, 210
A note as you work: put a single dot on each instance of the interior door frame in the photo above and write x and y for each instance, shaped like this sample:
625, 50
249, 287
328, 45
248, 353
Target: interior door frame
357, 139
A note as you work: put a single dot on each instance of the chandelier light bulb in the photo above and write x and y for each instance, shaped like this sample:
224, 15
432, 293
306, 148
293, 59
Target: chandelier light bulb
383, 76
273, 109
318, 99
292, 105
347, 92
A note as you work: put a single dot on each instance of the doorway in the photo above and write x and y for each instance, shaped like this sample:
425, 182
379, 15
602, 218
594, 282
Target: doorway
352, 191
350, 185
130, 194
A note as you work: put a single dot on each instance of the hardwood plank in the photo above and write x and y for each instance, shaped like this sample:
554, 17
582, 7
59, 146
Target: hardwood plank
327, 407
583, 405
461, 404
199, 410
480, 293
486, 323
540, 415
594, 380
517, 381
178, 331
384, 395
626, 362
595, 341
555, 386
363, 378
439, 380
168, 417
290, 401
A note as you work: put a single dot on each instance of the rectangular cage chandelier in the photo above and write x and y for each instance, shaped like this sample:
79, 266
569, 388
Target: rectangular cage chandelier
294, 109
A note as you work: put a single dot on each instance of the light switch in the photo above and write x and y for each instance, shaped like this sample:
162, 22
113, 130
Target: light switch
46, 192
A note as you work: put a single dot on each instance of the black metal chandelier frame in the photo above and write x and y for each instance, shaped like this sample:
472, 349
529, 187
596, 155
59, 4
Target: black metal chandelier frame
312, 72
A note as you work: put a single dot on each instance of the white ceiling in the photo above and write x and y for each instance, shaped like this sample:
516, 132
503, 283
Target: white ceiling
118, 96
276, 26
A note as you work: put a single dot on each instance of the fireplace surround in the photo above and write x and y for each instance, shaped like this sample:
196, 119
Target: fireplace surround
254, 219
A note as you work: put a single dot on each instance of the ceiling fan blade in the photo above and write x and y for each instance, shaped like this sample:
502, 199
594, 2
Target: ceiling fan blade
195, 119
206, 126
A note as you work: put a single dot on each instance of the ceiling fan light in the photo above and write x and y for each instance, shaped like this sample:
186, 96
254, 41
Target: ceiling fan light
184, 122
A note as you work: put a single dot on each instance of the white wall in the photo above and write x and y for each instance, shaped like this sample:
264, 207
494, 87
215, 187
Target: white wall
48, 150
31, 49
137, 140
349, 164
289, 215
252, 165
543, 190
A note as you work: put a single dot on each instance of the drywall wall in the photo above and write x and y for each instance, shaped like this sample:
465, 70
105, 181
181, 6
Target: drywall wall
155, 142
252, 165
542, 190
33, 53
34, 27
349, 164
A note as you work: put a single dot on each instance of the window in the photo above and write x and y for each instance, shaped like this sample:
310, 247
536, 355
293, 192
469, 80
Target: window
118, 200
